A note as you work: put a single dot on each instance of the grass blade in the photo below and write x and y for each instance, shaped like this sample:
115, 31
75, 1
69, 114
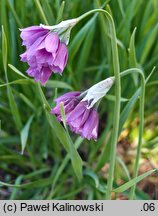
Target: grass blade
133, 181
5, 53
17, 71
60, 12
93, 176
132, 57
24, 134
148, 44
41, 12
14, 14
12, 103
19, 81
58, 84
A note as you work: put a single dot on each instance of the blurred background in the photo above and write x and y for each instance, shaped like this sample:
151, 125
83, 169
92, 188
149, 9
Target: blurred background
44, 170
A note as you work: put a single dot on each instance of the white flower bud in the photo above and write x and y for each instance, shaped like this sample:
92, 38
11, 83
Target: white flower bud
97, 91
64, 24
63, 29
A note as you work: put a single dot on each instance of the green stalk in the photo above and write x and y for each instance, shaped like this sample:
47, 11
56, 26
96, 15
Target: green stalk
141, 124
117, 95
141, 119
132, 70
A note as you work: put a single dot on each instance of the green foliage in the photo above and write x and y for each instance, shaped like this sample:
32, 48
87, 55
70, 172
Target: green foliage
132, 182
56, 163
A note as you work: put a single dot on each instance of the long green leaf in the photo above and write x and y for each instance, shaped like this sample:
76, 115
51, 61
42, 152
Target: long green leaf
14, 14
19, 81
58, 84
124, 167
24, 134
60, 12
132, 182
27, 101
5, 53
132, 56
15, 190
35, 184
128, 108
13, 106
41, 12
148, 44
14, 109
17, 71
93, 176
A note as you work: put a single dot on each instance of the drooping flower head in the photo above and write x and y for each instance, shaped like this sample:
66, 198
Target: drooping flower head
46, 49
81, 109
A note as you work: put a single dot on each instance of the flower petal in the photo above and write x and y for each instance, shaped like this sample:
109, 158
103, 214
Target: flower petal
69, 100
52, 42
61, 58
45, 74
66, 96
23, 57
31, 28
44, 52
33, 49
31, 34
77, 112
34, 72
90, 128
77, 124
43, 57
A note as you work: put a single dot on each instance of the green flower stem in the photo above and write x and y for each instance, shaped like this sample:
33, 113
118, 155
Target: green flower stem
132, 70
141, 123
46, 104
117, 95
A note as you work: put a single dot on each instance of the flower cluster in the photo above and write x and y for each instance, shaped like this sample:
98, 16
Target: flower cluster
81, 120
81, 110
46, 49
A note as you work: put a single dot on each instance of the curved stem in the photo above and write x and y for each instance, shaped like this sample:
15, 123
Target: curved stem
132, 70
141, 123
117, 95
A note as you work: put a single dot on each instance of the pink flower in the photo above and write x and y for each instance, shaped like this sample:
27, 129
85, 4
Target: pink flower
81, 120
45, 52
81, 109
